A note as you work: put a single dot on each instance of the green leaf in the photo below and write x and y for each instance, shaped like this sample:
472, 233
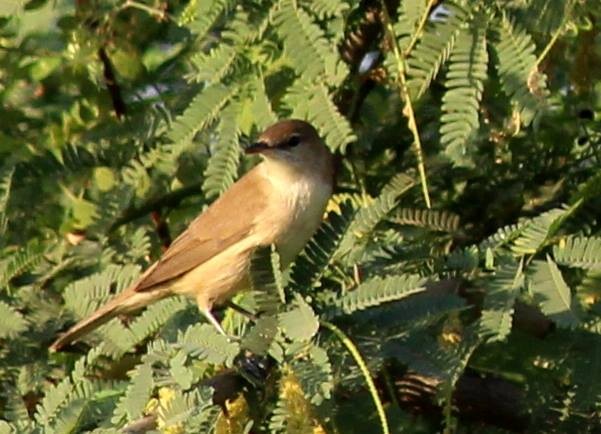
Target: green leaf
579, 252
533, 234
27, 258
132, 404
84, 296
202, 109
6, 178
314, 373
202, 341
261, 336
380, 290
501, 290
552, 293
6, 428
433, 48
104, 178
368, 216
427, 218
222, 168
300, 323
202, 15
267, 280
13, 323
465, 83
54, 398
305, 44
181, 373
211, 67
11, 7
517, 69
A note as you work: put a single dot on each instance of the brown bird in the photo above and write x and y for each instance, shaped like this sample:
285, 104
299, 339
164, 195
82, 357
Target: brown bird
280, 201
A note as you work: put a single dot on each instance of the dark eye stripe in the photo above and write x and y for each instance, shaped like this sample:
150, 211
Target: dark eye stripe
292, 141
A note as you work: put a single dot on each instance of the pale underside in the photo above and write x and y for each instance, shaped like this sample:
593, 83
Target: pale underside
210, 260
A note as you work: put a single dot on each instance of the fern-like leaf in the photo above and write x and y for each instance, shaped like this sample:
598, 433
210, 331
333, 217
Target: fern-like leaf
211, 67
579, 252
204, 342
326, 8
259, 108
434, 47
222, 168
517, 69
188, 412
6, 178
25, 259
497, 311
552, 293
299, 323
155, 315
305, 44
13, 323
431, 219
314, 374
464, 83
368, 217
202, 109
53, 400
202, 15
132, 403
380, 290
266, 277
535, 232
410, 14
84, 296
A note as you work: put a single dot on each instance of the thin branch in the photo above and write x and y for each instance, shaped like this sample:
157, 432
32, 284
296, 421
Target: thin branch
408, 109
161, 228
364, 370
556, 35
158, 13
420, 28
170, 200
112, 85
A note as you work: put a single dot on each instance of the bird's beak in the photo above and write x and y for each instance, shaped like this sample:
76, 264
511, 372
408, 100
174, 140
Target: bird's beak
256, 148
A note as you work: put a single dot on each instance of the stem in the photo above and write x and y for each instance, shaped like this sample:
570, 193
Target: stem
408, 109
170, 200
160, 14
556, 35
420, 27
364, 370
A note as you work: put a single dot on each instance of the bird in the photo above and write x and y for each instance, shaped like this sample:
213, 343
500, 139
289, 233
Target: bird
281, 202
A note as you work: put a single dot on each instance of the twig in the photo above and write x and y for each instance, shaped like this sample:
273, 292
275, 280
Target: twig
364, 370
420, 27
160, 14
161, 228
170, 200
112, 85
556, 35
408, 110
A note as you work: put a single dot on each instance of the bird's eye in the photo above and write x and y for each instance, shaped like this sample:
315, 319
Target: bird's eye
293, 141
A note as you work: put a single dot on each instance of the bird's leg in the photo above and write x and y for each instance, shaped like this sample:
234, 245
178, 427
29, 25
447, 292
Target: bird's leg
241, 310
209, 316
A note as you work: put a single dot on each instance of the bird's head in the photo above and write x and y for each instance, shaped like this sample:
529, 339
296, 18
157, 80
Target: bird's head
293, 143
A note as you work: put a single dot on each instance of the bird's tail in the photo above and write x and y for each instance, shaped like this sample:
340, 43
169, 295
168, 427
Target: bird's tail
125, 302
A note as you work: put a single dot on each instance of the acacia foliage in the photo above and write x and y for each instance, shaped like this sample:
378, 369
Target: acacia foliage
120, 121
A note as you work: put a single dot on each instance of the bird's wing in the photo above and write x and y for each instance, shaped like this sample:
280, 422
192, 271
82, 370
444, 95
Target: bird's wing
227, 221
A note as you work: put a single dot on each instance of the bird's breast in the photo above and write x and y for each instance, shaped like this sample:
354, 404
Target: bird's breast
301, 205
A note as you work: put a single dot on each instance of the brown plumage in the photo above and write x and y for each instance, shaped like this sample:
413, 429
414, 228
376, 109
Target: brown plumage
280, 201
